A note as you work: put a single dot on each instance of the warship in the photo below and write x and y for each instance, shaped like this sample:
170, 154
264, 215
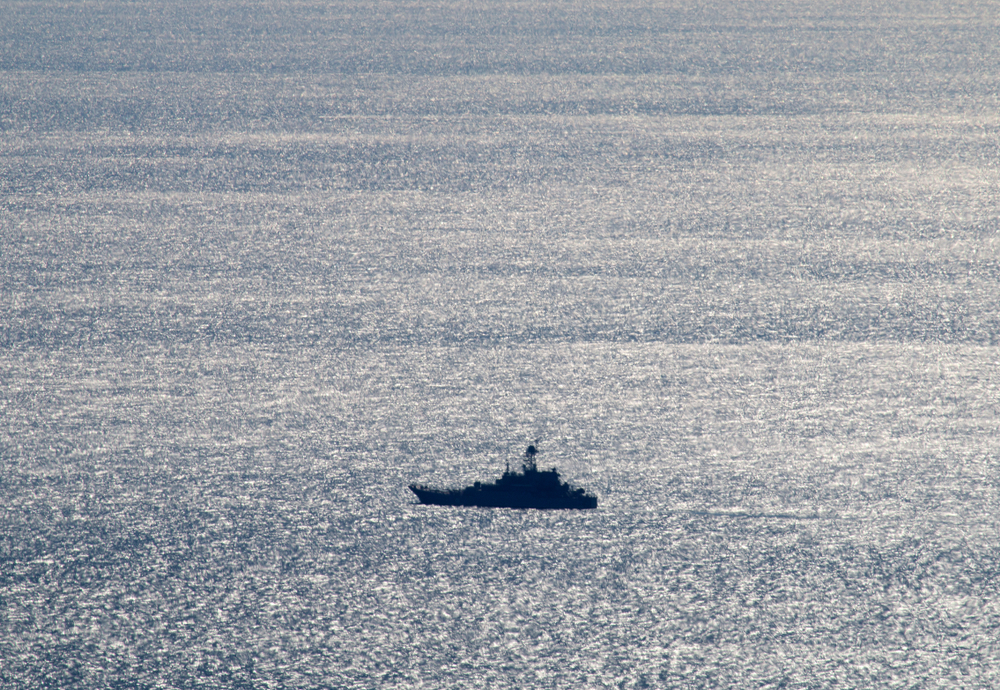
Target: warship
529, 488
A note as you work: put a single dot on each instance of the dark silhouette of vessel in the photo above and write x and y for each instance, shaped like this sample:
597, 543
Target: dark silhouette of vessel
529, 488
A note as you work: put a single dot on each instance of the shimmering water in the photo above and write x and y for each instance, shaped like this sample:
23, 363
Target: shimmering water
262, 265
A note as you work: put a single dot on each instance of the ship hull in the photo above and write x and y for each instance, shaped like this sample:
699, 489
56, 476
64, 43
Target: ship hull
503, 499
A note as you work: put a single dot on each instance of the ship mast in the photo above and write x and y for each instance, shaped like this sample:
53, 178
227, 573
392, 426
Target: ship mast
530, 455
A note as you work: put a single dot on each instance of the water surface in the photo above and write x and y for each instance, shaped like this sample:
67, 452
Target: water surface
262, 265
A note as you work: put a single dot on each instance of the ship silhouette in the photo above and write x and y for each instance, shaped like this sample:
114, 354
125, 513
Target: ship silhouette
529, 488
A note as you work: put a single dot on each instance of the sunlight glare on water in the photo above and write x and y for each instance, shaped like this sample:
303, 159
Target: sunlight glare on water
264, 266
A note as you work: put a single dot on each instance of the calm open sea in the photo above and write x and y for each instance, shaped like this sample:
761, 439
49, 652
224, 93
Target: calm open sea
264, 264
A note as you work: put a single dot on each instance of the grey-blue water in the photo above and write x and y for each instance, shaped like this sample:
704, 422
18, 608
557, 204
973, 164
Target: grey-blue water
264, 264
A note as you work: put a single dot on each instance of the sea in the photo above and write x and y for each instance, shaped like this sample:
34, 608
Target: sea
732, 266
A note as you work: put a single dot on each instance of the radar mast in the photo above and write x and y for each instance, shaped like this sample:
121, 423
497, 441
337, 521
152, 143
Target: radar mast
529, 463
